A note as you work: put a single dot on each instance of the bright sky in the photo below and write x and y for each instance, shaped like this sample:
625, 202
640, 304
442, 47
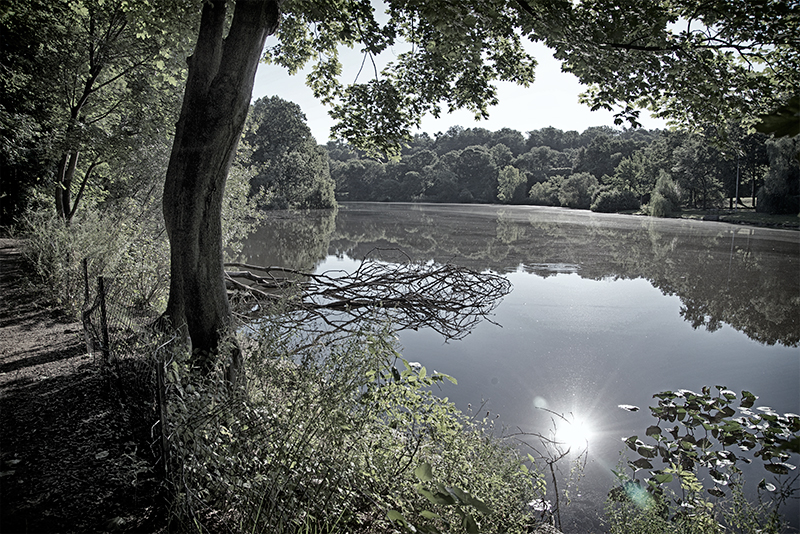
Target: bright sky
552, 100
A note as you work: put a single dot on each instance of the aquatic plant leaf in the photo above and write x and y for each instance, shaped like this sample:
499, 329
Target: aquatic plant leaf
663, 478
424, 472
766, 485
780, 468
748, 399
643, 463
653, 430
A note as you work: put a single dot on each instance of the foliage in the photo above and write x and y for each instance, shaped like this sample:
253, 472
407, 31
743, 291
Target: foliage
664, 200
689, 61
451, 56
546, 193
781, 190
576, 190
696, 451
85, 85
699, 168
285, 162
123, 237
614, 200
128, 244
327, 440
510, 185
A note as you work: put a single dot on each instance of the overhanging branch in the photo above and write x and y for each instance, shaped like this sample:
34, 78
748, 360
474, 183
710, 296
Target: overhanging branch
449, 299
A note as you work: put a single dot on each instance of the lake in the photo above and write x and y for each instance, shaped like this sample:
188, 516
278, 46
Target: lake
605, 310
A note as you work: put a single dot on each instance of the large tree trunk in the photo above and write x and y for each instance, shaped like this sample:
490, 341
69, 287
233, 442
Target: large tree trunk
215, 105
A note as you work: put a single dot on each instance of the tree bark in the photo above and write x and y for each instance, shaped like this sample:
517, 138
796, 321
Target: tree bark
215, 105
64, 176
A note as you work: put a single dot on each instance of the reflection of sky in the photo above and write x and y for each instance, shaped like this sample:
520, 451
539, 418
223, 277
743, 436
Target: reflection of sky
582, 346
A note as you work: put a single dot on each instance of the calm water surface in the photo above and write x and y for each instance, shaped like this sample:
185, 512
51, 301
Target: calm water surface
604, 310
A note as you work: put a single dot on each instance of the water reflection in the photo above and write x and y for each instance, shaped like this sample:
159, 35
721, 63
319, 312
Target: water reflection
748, 278
605, 310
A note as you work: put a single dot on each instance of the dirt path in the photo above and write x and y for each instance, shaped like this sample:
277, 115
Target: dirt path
68, 462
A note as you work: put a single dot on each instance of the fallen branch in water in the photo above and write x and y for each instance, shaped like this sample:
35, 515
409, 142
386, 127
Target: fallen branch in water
446, 298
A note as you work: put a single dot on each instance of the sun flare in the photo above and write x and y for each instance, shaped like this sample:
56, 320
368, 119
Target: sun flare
574, 435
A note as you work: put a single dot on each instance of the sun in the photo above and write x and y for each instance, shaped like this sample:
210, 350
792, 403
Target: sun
574, 434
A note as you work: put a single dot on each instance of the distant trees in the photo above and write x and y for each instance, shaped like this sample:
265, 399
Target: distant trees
600, 169
781, 191
284, 158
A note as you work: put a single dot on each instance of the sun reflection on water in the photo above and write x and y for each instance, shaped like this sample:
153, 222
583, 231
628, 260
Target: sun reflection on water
574, 433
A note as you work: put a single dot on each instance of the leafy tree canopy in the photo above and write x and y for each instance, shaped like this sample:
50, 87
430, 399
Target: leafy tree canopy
452, 53
689, 61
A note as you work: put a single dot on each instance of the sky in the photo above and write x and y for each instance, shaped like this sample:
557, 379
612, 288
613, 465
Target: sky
552, 100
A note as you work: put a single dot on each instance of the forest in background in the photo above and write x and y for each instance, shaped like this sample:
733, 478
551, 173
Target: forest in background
602, 168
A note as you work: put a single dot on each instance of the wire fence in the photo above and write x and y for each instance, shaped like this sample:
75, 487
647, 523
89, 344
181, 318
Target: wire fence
117, 332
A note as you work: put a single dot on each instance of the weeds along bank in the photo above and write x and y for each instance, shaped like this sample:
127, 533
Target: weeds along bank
348, 437
339, 438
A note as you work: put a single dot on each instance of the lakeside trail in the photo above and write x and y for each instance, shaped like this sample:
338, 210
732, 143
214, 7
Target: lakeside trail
68, 460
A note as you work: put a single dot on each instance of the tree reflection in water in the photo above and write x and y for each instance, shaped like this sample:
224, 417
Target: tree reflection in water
723, 274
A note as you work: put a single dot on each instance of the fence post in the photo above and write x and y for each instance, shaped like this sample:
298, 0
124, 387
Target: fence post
101, 289
85, 263
162, 416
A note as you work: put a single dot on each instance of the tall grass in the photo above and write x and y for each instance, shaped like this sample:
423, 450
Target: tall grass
328, 441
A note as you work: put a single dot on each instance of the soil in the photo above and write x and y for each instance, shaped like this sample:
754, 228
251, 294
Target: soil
70, 458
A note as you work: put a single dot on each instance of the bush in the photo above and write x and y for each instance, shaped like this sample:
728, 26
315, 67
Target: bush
545, 193
576, 191
111, 247
664, 200
659, 206
614, 201
328, 440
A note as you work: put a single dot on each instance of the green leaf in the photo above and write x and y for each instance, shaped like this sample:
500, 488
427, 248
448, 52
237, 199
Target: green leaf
653, 431
642, 463
784, 121
396, 516
427, 514
663, 478
647, 451
780, 468
748, 399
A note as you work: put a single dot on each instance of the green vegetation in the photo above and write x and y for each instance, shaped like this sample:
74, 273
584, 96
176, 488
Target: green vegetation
602, 169
330, 440
701, 489
288, 166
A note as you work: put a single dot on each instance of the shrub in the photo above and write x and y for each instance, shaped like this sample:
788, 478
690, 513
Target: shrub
56, 252
614, 200
576, 191
664, 200
659, 206
328, 440
545, 193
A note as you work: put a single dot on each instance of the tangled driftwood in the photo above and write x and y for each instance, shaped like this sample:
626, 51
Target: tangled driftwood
446, 298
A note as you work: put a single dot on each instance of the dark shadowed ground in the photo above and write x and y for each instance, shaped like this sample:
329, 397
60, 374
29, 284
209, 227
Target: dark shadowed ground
69, 461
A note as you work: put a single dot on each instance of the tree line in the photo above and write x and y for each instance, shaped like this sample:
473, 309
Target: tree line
603, 169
